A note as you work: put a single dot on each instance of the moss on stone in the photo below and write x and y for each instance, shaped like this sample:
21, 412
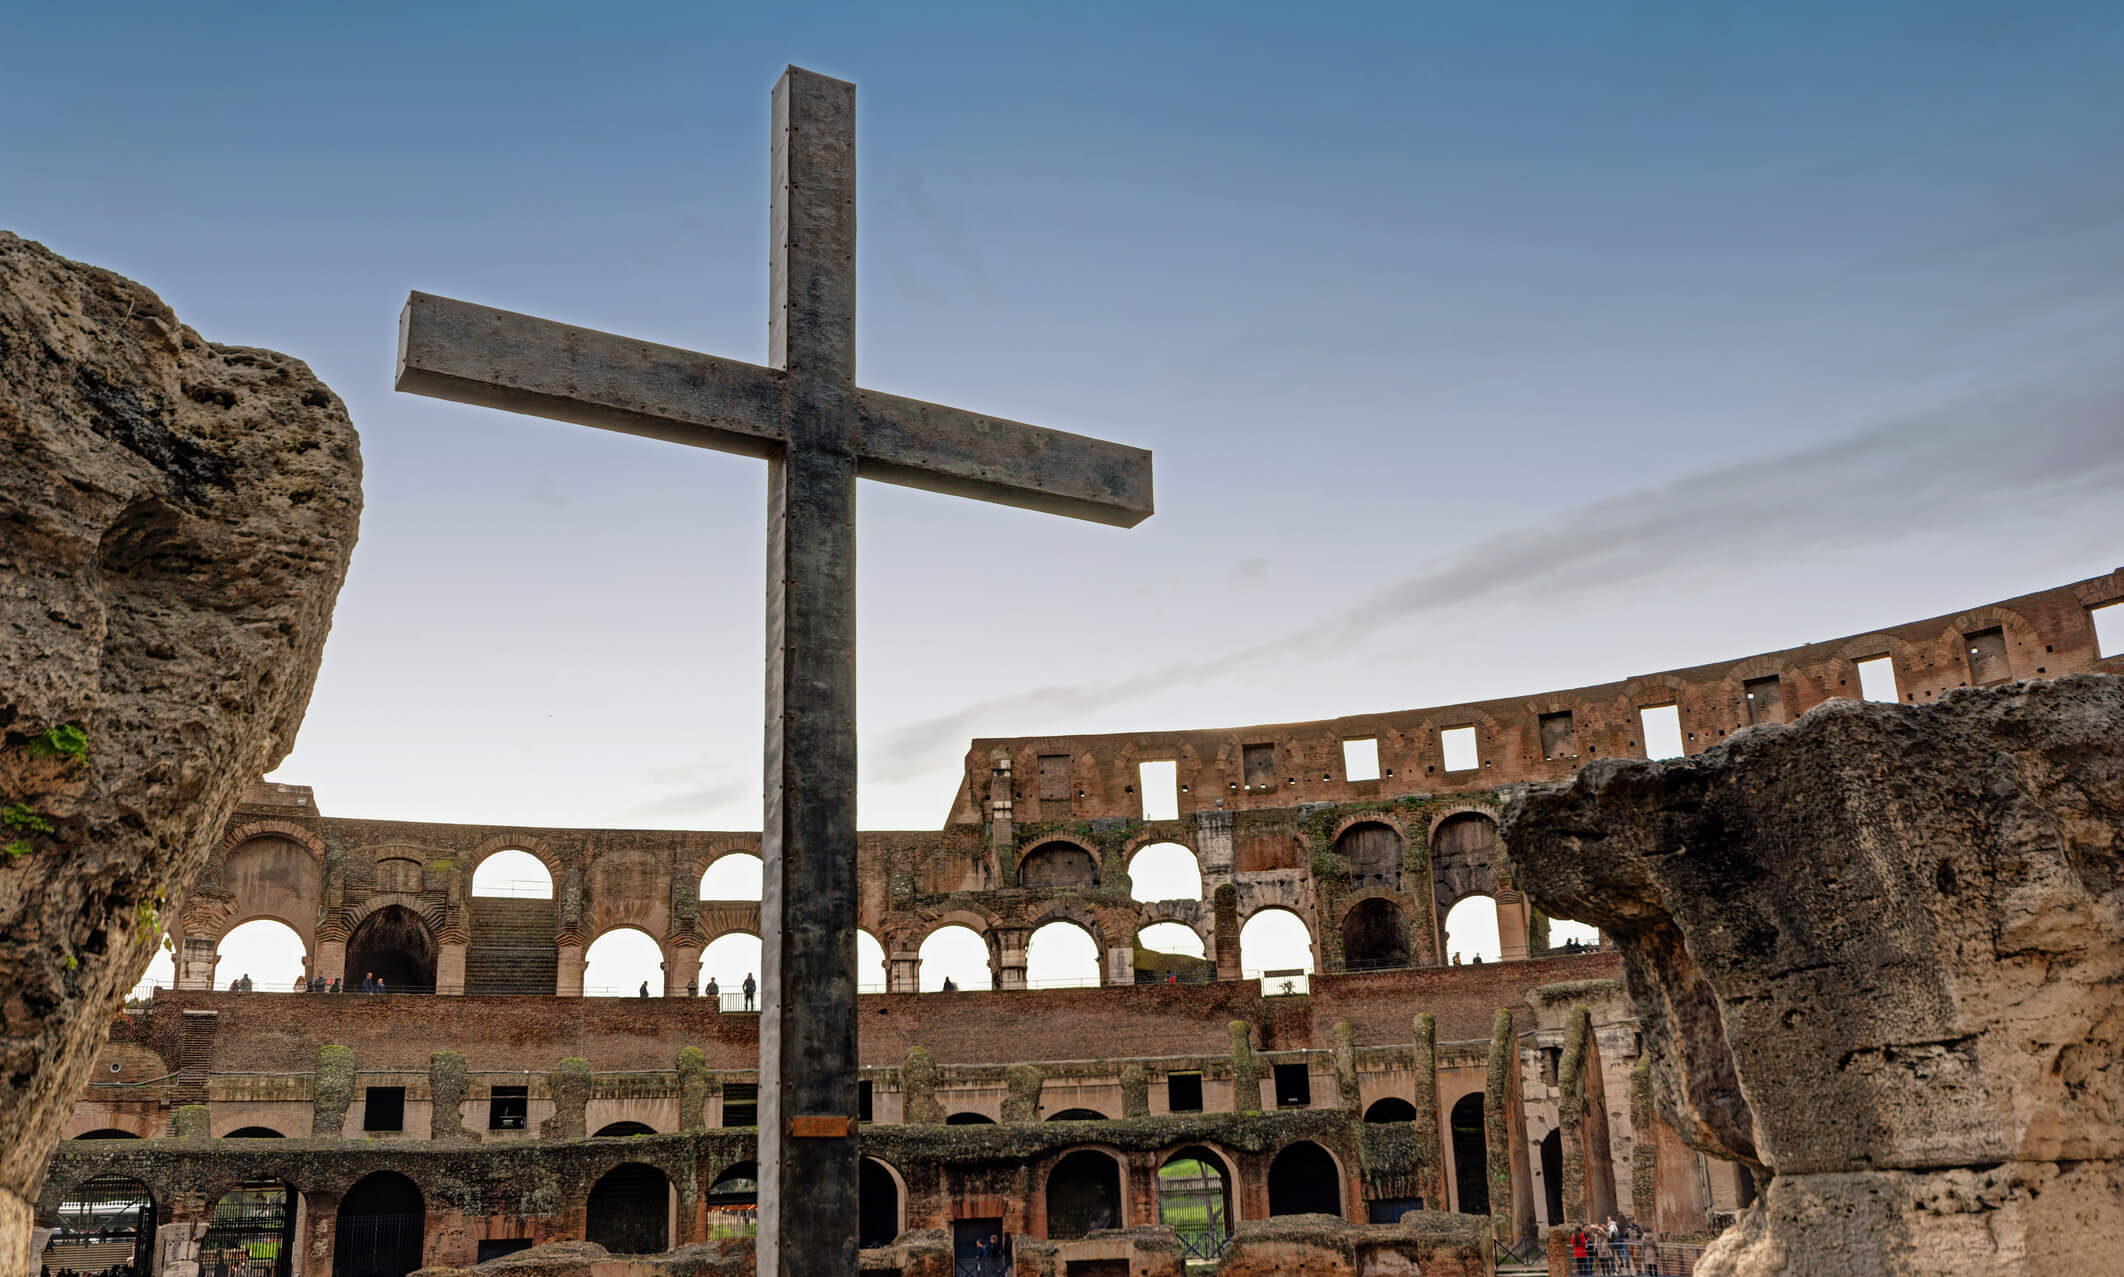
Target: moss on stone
1644, 1150
1021, 1099
1571, 1110
919, 1077
334, 1090
1135, 1091
693, 1088
1424, 1129
1496, 1114
190, 1122
569, 1088
447, 1086
1344, 1054
1246, 1068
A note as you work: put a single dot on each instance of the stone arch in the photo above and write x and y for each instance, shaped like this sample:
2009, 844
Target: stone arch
619, 970
729, 859
1304, 1179
519, 862
1059, 864
735, 1187
381, 1226
556, 864
1375, 935
931, 974
881, 1203
1463, 931
1083, 1192
97, 1218
1471, 1155
2021, 640
253, 1220
1077, 1115
1391, 1108
109, 1133
620, 1130
1196, 1196
628, 886
270, 875
1165, 862
275, 974
969, 1118
628, 1211
1046, 943
1463, 848
253, 1133
398, 943
1250, 964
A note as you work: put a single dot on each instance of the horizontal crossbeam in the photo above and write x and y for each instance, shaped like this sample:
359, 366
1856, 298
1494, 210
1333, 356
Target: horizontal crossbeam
472, 354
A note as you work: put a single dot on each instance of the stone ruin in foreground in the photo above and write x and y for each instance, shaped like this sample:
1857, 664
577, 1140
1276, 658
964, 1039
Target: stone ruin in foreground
1870, 953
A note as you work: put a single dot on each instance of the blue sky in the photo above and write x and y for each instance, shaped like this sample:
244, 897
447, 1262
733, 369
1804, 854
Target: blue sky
1484, 349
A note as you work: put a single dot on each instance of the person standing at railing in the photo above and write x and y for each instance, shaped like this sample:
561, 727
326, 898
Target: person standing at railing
715, 993
750, 989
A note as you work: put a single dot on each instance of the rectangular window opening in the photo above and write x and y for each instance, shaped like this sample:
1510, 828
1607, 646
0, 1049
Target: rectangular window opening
1360, 759
1766, 699
383, 1108
508, 1108
1558, 739
1183, 1092
1987, 656
1294, 1086
1460, 751
1158, 785
741, 1104
864, 1100
1877, 679
1662, 724
2109, 628
1260, 763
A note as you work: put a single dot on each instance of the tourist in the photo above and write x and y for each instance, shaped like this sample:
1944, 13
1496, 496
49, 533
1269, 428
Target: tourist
235, 986
980, 1257
693, 988
335, 986
750, 989
950, 987
380, 985
715, 991
1000, 1253
645, 989
1578, 1250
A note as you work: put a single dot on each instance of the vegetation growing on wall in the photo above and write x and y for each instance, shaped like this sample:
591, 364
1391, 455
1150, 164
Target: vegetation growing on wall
335, 1090
1344, 1054
1496, 1113
1246, 1068
1021, 1098
693, 1088
1135, 1091
569, 1088
1424, 1129
447, 1087
919, 1077
1572, 1110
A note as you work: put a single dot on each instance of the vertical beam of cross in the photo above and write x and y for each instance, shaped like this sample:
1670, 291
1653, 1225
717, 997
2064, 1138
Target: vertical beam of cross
808, 1020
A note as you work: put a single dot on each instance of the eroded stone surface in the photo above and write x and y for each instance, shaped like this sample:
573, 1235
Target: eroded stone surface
1877, 955
175, 522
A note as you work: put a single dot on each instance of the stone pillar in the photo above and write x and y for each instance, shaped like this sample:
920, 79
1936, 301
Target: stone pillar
450, 968
1008, 957
1225, 938
903, 972
1000, 803
1430, 1131
195, 963
1213, 846
322, 1209
682, 964
568, 983
332, 958
1121, 964
1505, 1131
1512, 924
177, 1240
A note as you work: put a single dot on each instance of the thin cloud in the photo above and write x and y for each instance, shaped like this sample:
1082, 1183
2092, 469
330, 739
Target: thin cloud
2056, 446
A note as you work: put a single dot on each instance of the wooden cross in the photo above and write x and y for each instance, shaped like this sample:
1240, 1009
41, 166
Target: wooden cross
818, 431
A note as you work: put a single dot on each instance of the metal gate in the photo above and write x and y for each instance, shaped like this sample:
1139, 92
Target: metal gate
377, 1245
252, 1233
104, 1225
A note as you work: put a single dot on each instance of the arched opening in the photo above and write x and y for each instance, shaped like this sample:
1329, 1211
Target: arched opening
1391, 1109
877, 1205
736, 875
381, 1221
1375, 936
1463, 862
733, 1202
1195, 1201
252, 1231
969, 1119
394, 945
1164, 871
1275, 940
957, 954
729, 960
629, 1210
614, 1130
513, 873
621, 962
1552, 1176
104, 1223
1373, 852
1471, 931
107, 1133
1083, 1194
870, 963
263, 956
1171, 953
1058, 864
1471, 1156
1303, 1180
161, 973
1077, 1115
1566, 936
254, 1133
1061, 955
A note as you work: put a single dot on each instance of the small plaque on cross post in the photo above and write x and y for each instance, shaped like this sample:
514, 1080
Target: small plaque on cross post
819, 432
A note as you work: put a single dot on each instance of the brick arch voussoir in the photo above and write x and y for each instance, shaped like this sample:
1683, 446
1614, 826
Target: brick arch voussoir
1389, 819
432, 914
1463, 808
715, 851
238, 835
555, 863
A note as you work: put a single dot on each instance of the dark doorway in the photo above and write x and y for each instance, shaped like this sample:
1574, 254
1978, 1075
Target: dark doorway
877, 1205
628, 1210
1373, 851
1389, 1210
1077, 1115
252, 1230
969, 1249
394, 943
381, 1223
1303, 1181
1552, 1175
105, 1223
107, 1133
1195, 1201
254, 1133
624, 1128
1083, 1194
1058, 864
1471, 1156
1391, 1109
496, 1247
969, 1119
1375, 936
